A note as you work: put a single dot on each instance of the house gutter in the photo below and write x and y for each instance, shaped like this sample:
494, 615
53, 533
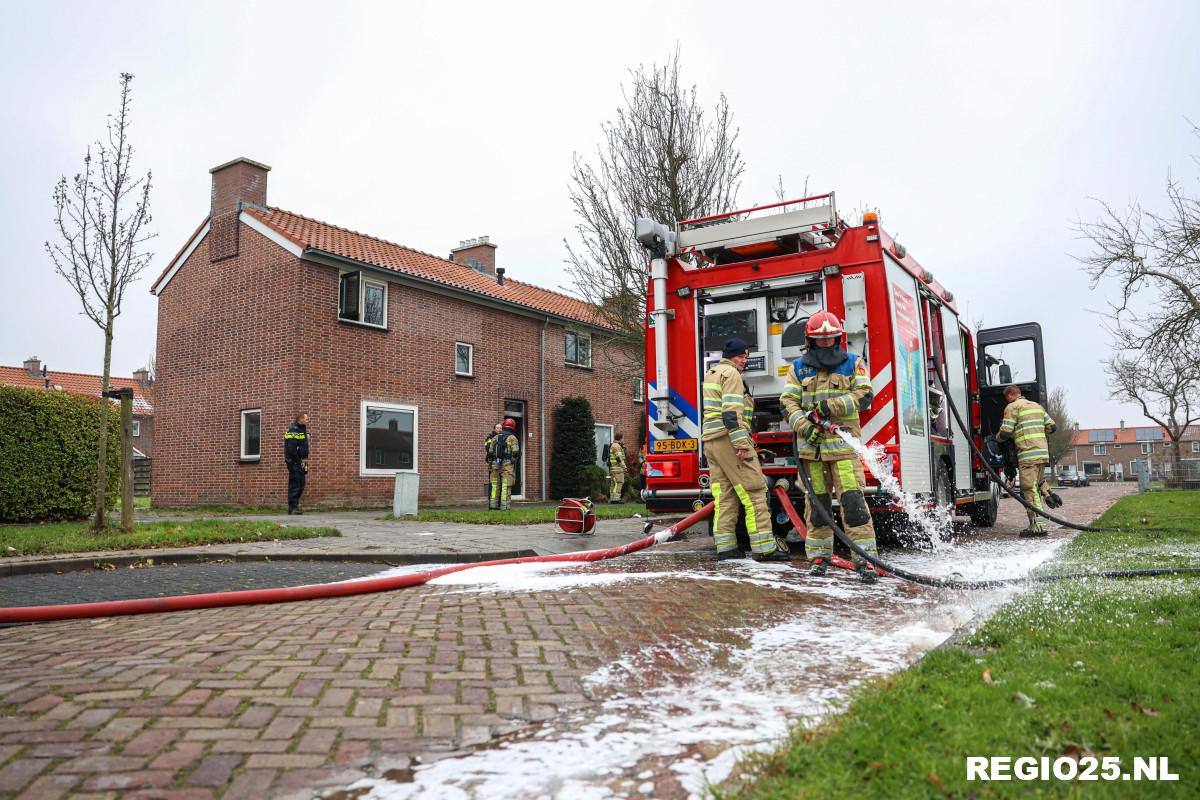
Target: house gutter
542, 403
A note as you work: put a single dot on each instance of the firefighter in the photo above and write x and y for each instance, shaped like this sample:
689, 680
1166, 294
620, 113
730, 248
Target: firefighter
295, 456
617, 468
737, 476
1027, 424
489, 449
505, 449
830, 385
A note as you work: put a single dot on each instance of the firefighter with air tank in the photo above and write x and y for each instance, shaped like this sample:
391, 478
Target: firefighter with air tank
502, 453
1027, 424
736, 475
827, 388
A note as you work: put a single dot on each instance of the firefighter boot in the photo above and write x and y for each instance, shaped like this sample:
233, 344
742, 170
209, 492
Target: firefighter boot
1032, 532
728, 555
778, 554
818, 568
866, 573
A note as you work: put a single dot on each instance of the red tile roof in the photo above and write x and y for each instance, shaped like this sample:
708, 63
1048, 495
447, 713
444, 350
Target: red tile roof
311, 233
1129, 435
78, 383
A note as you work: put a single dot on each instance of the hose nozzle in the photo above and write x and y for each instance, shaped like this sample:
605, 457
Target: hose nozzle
822, 423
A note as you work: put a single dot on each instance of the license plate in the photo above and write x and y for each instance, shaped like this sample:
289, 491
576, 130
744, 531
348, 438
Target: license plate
674, 445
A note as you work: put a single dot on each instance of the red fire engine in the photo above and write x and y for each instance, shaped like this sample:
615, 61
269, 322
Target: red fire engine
758, 275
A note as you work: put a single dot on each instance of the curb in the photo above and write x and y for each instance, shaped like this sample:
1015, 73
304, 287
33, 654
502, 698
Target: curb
49, 566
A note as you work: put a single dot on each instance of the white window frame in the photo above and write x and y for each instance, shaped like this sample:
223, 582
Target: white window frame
1099, 450
1167, 444
577, 335
363, 280
372, 472
639, 390
1084, 465
1147, 447
137, 428
600, 448
242, 436
1196, 447
470, 373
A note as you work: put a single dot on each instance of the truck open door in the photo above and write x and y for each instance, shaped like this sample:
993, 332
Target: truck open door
1009, 355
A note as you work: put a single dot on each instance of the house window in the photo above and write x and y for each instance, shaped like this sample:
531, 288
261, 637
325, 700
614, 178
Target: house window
604, 435
1167, 445
362, 300
1196, 447
464, 359
639, 391
137, 428
579, 349
1117, 446
387, 439
1092, 468
1146, 448
251, 448
1099, 450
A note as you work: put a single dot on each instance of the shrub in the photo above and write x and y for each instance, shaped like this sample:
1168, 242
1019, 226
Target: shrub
574, 449
48, 455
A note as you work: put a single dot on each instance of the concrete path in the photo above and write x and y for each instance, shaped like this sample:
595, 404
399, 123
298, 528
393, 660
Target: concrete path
622, 679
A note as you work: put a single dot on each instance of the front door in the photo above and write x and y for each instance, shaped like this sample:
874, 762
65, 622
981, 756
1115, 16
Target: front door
1008, 355
515, 410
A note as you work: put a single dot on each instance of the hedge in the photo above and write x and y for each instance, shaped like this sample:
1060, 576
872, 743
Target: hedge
574, 449
48, 455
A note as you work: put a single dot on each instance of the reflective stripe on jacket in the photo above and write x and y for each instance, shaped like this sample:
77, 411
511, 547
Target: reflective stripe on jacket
295, 443
724, 406
1027, 424
616, 457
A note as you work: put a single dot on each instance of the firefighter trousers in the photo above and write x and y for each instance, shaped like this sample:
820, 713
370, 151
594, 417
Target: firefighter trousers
738, 484
618, 484
1033, 487
845, 478
503, 477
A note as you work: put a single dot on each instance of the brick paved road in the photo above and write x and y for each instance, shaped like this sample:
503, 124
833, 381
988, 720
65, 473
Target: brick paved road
281, 700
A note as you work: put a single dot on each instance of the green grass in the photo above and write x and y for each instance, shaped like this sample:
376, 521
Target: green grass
518, 515
1105, 668
77, 537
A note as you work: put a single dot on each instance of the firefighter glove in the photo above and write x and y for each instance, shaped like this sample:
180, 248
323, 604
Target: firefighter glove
810, 433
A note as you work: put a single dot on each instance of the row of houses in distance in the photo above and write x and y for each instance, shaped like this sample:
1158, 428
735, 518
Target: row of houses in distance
1122, 453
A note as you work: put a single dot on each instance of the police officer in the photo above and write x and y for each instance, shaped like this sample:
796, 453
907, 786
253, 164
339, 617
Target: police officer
617, 468
505, 449
1026, 423
295, 455
736, 476
836, 386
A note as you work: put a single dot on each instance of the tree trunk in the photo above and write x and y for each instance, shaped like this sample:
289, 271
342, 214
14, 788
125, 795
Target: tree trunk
1177, 462
102, 457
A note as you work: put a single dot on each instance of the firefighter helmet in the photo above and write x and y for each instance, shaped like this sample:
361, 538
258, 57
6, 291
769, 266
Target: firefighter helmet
510, 424
823, 325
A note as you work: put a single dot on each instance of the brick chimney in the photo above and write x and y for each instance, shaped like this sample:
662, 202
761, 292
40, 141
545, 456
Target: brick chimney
1122, 424
234, 184
142, 376
33, 367
479, 254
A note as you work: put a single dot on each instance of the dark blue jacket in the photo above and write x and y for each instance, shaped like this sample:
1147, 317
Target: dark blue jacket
295, 443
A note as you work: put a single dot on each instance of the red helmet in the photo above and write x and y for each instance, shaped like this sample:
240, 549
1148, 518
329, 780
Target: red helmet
510, 424
823, 325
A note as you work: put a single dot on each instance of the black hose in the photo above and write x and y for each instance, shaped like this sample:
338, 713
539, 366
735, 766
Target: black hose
995, 476
943, 583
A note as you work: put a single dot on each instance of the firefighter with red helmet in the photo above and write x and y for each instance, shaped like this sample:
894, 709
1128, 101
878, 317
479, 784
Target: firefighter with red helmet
736, 475
830, 385
503, 452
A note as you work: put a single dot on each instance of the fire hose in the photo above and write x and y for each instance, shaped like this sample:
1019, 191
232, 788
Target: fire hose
113, 608
999, 480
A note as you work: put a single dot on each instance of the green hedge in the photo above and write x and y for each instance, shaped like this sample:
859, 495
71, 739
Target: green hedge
574, 449
48, 455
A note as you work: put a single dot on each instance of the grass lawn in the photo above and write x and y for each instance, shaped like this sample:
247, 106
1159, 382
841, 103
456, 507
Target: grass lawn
520, 515
77, 537
1104, 668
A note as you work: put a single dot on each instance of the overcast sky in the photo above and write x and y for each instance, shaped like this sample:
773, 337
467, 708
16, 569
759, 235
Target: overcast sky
979, 130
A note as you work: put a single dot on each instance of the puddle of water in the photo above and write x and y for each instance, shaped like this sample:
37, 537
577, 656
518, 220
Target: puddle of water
694, 708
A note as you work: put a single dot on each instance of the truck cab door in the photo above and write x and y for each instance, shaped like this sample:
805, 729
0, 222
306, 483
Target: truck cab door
1008, 355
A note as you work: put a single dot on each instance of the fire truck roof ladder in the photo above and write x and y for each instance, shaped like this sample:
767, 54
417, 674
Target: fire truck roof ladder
815, 221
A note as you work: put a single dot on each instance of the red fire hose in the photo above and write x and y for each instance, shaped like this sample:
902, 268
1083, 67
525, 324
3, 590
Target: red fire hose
114, 608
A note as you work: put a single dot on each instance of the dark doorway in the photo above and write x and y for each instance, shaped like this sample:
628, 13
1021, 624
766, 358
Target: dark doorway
515, 410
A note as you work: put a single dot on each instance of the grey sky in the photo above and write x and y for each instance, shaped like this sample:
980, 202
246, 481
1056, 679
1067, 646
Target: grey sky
978, 129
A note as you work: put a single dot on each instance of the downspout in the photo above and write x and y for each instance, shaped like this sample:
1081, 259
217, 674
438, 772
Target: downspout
542, 405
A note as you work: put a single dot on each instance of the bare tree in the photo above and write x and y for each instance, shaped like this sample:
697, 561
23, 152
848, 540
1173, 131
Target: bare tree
1059, 442
664, 157
1167, 387
1154, 257
102, 214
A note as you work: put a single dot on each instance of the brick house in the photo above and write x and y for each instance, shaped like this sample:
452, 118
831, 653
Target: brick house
403, 359
33, 374
1122, 452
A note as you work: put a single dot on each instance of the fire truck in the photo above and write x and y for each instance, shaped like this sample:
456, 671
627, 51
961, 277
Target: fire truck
758, 275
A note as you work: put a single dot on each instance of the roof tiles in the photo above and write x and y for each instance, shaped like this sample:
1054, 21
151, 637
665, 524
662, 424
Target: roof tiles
78, 383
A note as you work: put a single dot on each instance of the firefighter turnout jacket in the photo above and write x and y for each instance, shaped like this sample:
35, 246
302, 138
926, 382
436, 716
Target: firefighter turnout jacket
846, 390
503, 449
295, 443
616, 457
725, 406
1027, 424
